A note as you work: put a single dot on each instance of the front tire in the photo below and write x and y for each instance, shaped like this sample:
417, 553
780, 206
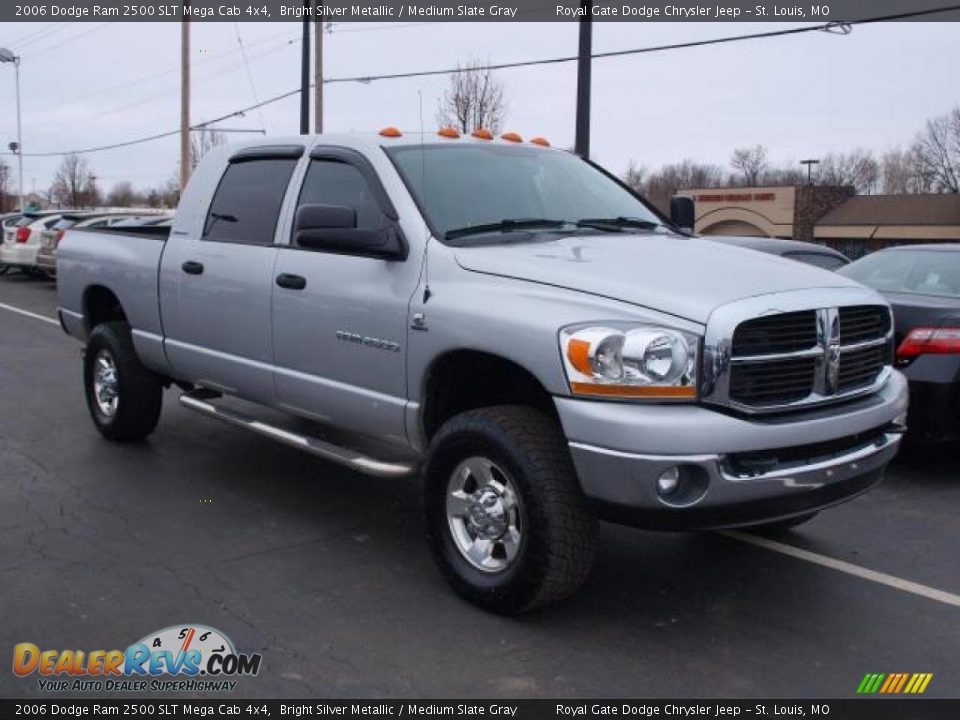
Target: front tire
507, 522
123, 397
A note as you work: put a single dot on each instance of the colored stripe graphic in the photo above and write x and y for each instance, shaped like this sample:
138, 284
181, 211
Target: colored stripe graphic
894, 683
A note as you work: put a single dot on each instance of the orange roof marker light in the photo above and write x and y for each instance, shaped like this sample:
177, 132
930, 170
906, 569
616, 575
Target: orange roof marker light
540, 141
448, 132
390, 132
511, 137
482, 134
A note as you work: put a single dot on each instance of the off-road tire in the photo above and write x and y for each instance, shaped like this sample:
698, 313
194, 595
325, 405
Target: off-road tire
140, 391
559, 531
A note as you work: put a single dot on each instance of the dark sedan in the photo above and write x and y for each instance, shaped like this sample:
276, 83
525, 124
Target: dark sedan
810, 253
922, 283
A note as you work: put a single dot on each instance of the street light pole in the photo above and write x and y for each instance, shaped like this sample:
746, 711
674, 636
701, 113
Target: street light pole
810, 163
7, 56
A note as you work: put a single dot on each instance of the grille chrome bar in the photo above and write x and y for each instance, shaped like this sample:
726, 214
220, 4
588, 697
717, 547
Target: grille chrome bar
757, 382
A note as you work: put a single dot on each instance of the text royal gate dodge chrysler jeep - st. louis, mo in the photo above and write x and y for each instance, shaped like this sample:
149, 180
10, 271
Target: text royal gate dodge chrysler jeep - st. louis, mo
508, 322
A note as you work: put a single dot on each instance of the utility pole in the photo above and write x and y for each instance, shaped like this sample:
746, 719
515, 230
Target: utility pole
318, 72
584, 60
305, 72
184, 98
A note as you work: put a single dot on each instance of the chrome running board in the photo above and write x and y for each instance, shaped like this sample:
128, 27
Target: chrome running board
198, 401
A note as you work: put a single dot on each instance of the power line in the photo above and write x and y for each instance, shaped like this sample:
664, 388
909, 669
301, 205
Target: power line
824, 27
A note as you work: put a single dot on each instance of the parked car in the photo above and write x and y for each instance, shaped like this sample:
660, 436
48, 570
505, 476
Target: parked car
144, 221
6, 220
922, 283
810, 253
506, 321
50, 238
21, 241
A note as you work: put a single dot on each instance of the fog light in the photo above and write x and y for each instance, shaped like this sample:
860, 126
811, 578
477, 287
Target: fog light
668, 480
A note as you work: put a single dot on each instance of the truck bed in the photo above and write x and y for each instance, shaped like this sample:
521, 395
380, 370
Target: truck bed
124, 262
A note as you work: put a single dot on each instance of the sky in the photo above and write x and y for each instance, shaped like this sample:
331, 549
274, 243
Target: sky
89, 84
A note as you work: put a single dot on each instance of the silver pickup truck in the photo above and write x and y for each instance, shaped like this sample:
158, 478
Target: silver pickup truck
503, 320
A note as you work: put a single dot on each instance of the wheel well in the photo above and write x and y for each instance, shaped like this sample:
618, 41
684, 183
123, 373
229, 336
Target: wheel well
467, 379
100, 305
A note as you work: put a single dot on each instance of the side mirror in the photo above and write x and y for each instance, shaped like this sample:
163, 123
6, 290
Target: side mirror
325, 217
333, 229
683, 212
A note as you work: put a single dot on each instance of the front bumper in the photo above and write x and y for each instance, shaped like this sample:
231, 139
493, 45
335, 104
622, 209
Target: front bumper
19, 254
735, 470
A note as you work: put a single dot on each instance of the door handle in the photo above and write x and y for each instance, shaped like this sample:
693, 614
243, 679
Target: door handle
291, 282
192, 267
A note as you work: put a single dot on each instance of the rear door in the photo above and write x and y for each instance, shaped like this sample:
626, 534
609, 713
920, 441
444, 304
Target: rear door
339, 334
218, 324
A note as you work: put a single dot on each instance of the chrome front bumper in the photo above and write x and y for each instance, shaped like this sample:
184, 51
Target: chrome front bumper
743, 470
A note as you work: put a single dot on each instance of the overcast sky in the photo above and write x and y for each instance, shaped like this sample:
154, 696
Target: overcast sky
88, 84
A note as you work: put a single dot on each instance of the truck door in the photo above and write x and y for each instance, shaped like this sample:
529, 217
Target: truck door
217, 290
339, 319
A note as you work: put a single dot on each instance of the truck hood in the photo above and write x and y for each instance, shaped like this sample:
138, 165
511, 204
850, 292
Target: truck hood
686, 277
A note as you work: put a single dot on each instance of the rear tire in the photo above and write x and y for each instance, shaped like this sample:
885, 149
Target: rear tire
507, 522
123, 397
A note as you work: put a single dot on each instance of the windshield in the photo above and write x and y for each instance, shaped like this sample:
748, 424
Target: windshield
462, 186
915, 272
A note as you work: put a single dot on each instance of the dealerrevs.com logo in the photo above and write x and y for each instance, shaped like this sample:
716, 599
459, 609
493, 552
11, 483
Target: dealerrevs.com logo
187, 658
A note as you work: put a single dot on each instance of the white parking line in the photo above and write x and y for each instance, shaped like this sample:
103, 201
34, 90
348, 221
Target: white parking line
35, 316
782, 548
845, 567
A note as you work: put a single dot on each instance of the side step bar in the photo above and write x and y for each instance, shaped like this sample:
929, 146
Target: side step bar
198, 402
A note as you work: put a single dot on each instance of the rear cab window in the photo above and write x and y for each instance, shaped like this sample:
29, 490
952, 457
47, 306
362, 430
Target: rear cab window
246, 205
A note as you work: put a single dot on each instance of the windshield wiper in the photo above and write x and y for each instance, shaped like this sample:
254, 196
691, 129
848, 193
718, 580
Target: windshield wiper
618, 223
507, 225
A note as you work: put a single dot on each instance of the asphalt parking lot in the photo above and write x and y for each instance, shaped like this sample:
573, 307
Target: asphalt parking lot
326, 574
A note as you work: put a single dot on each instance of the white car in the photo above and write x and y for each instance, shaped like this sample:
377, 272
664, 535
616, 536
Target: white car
21, 242
46, 258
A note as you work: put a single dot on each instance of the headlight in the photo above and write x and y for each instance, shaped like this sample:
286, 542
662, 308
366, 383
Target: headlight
630, 361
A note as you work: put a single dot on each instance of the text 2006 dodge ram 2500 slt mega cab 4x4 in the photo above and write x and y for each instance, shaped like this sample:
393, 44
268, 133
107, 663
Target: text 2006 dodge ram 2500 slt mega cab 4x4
505, 320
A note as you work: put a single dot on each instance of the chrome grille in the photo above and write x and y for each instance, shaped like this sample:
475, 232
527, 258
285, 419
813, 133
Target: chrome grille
789, 358
786, 332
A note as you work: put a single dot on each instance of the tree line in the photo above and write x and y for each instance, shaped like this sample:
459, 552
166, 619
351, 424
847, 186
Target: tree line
75, 184
930, 164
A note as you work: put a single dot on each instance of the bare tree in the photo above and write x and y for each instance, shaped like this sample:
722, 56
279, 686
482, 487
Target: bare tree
203, 141
473, 100
784, 175
902, 173
938, 151
659, 185
636, 177
750, 162
74, 184
123, 195
857, 168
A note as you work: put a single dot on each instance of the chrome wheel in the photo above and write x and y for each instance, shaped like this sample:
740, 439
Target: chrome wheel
106, 384
484, 514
